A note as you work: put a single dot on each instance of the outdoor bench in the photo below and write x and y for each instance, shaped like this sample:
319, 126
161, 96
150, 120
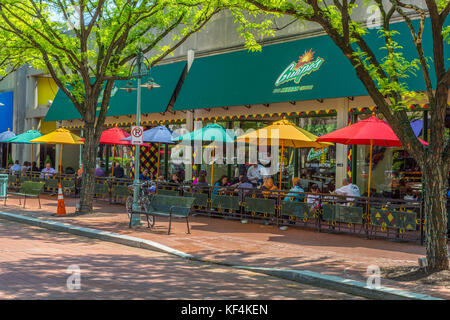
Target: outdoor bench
120, 191
201, 199
101, 189
68, 186
28, 189
167, 206
225, 202
13, 180
167, 192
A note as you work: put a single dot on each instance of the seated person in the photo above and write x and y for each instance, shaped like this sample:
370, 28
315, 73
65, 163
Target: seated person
201, 181
222, 182
145, 175
313, 199
34, 167
234, 182
331, 186
24, 168
99, 172
48, 171
118, 171
243, 187
175, 179
200, 174
294, 196
409, 194
15, 169
268, 186
69, 170
254, 174
348, 189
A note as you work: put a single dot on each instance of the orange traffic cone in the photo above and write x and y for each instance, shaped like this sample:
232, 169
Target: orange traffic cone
61, 211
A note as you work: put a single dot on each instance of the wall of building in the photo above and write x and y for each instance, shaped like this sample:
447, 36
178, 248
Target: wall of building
221, 35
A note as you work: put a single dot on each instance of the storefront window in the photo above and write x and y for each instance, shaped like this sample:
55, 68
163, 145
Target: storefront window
394, 171
318, 165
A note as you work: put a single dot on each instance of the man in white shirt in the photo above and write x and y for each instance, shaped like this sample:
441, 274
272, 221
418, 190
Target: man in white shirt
348, 189
254, 173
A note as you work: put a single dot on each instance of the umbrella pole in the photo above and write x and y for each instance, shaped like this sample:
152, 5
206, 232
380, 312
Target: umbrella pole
159, 158
212, 165
60, 163
7, 155
370, 167
31, 159
113, 163
281, 163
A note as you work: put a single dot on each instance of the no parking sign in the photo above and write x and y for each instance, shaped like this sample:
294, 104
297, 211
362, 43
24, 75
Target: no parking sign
137, 135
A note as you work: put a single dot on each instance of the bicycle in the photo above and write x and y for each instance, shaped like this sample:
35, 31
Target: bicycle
145, 192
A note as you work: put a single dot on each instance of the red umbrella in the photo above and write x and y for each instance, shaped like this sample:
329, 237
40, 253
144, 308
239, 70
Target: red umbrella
114, 137
371, 131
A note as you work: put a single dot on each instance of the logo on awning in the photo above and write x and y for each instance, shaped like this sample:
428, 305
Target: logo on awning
297, 70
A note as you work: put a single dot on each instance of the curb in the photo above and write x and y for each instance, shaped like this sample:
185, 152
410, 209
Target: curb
303, 276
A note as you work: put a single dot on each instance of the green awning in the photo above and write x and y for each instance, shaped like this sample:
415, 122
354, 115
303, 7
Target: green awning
124, 103
306, 69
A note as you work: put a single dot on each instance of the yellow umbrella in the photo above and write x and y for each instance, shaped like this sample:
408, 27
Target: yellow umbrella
59, 136
289, 135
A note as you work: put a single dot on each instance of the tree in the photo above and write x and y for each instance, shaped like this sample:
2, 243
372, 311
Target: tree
85, 45
384, 79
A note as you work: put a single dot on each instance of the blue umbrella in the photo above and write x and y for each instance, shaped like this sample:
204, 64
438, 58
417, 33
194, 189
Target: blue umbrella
417, 126
6, 135
159, 134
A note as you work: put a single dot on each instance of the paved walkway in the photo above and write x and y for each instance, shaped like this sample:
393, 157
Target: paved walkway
230, 241
34, 262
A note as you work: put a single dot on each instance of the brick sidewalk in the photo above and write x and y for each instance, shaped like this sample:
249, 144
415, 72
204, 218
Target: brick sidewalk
34, 261
347, 256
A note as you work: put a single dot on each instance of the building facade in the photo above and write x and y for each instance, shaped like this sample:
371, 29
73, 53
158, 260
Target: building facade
300, 74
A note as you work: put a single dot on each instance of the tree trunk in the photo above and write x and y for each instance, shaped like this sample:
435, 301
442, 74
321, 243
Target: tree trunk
88, 176
435, 173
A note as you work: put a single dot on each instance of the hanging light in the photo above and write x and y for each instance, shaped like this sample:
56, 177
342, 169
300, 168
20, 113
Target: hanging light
150, 84
128, 87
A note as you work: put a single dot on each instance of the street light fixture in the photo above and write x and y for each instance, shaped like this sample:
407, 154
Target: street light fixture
139, 69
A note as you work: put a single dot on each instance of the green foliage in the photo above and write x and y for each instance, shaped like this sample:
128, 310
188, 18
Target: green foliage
79, 40
389, 73
48, 160
320, 129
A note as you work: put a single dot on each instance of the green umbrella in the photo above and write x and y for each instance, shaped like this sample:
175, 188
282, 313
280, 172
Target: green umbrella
24, 138
212, 132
